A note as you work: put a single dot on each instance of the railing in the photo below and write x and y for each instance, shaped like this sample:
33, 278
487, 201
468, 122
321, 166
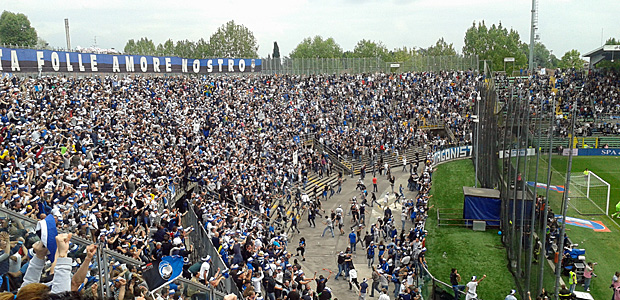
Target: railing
203, 246
333, 156
432, 288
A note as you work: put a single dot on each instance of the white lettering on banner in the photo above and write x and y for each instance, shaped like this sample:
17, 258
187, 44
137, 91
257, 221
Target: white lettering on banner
168, 64
521, 152
115, 66
55, 61
0, 59
40, 61
93, 63
231, 64
80, 63
219, 63
143, 64
156, 64
451, 153
184, 65
129, 66
196, 66
241, 65
69, 66
609, 152
14, 61
210, 65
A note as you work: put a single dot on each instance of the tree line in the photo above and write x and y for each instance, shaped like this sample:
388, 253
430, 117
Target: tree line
491, 43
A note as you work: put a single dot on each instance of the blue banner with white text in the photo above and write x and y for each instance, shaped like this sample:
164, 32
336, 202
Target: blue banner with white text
31, 60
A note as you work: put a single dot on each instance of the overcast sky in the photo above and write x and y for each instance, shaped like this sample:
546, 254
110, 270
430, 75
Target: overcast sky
564, 24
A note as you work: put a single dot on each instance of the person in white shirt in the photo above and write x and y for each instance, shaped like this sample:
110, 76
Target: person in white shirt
511, 296
353, 278
384, 295
204, 269
472, 286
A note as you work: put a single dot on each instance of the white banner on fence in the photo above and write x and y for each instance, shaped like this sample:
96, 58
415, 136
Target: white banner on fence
566, 152
521, 152
452, 153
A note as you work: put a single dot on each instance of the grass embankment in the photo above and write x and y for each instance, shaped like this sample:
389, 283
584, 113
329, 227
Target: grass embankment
471, 252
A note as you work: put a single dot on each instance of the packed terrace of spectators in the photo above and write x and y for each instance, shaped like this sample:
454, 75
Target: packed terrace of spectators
104, 155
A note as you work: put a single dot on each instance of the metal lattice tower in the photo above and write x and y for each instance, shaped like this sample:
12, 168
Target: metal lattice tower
533, 34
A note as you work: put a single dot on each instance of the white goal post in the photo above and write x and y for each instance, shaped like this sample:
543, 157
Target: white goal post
590, 176
589, 193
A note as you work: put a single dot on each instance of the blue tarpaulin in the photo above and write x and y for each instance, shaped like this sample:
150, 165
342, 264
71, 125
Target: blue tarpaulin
482, 204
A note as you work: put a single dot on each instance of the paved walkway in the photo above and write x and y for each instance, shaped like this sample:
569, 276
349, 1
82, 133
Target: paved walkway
321, 252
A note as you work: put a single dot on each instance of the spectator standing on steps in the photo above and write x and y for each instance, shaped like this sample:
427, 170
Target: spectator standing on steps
404, 163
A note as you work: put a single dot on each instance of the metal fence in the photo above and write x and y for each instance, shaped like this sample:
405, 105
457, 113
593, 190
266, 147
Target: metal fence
513, 136
203, 246
310, 66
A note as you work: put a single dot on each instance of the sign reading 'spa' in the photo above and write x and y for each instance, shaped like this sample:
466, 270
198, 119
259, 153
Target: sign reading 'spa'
30, 60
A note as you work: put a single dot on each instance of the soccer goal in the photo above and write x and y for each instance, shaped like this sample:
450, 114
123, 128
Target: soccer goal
589, 194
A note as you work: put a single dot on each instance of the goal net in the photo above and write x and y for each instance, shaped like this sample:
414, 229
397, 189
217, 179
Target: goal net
589, 194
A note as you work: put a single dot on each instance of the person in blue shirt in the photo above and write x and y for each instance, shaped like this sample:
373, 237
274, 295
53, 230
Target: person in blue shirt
370, 253
363, 289
352, 239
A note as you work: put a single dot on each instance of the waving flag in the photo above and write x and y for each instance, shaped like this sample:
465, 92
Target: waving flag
47, 232
162, 272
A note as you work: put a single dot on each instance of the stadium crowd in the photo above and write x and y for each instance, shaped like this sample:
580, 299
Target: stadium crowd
104, 156
594, 95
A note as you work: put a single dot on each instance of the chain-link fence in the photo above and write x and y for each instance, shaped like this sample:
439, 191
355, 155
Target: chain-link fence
309, 66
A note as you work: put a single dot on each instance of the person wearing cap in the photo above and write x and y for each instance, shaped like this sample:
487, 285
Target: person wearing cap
363, 289
204, 268
511, 296
472, 286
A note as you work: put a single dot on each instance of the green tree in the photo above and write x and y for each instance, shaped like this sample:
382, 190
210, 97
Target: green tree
494, 44
543, 57
367, 48
234, 41
441, 48
42, 44
167, 48
572, 59
15, 29
185, 48
203, 49
143, 46
317, 47
130, 47
402, 54
276, 50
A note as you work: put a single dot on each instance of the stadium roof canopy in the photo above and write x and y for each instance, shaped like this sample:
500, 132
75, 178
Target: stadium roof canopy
606, 52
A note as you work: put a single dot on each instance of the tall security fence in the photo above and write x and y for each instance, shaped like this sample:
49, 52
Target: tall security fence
310, 66
515, 139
